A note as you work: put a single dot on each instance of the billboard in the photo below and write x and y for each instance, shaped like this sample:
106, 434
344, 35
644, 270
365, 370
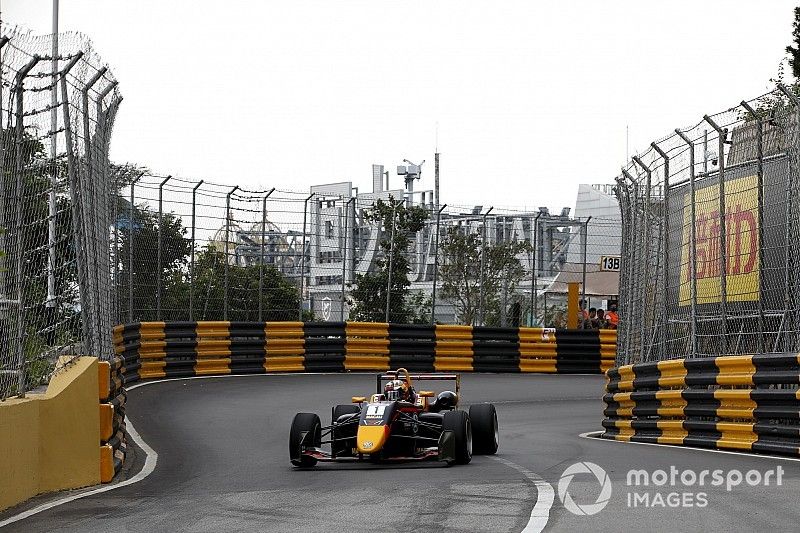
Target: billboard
746, 283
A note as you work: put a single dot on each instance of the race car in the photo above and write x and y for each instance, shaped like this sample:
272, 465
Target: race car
397, 423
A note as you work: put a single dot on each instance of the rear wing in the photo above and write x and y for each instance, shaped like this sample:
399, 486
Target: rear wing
393, 374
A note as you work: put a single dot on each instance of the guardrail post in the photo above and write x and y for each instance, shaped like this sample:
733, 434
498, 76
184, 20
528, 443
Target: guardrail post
665, 237
760, 178
483, 264
160, 243
436, 265
722, 134
227, 242
261, 262
191, 250
692, 243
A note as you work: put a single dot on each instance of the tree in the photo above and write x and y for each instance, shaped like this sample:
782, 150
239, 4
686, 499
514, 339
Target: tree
794, 49
144, 269
368, 298
459, 270
279, 298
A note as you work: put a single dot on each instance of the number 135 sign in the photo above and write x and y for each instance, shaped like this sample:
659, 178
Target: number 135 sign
609, 263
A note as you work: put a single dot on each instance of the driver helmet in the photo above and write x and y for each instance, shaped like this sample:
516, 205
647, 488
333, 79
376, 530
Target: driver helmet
395, 390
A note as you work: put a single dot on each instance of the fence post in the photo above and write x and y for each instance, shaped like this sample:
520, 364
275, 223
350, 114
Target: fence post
391, 257
483, 264
789, 249
19, 227
160, 237
692, 242
534, 268
191, 251
227, 241
632, 297
130, 247
74, 192
303, 259
722, 135
92, 231
585, 231
344, 253
3, 288
760, 178
261, 262
436, 263
647, 243
665, 237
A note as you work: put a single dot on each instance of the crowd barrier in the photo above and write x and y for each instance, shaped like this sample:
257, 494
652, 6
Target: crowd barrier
747, 403
112, 418
186, 349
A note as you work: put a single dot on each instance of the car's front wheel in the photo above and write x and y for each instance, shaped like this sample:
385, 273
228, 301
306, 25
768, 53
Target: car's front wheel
306, 432
485, 432
458, 422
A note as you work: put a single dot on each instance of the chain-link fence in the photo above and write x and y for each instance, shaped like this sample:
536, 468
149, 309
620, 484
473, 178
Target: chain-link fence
196, 250
57, 107
710, 239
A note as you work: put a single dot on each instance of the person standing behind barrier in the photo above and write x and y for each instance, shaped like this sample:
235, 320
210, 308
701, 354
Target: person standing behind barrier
612, 317
583, 316
592, 319
601, 322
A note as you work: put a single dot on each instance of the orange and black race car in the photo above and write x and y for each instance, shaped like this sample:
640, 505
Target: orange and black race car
397, 423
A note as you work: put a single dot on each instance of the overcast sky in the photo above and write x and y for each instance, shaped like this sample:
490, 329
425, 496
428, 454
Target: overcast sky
531, 98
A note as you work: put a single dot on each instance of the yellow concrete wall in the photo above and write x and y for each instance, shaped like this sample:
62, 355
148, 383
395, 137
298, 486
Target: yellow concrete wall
52, 439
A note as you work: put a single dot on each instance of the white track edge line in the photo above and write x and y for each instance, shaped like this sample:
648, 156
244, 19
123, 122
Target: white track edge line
545, 496
593, 436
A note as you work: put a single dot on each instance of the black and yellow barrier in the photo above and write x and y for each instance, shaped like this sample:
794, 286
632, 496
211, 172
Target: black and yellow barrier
748, 402
112, 418
185, 349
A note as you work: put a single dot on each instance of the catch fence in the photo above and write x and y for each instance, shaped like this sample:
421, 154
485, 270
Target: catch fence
709, 248
57, 109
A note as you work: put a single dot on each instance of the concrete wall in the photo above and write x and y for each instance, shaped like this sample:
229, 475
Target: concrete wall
51, 441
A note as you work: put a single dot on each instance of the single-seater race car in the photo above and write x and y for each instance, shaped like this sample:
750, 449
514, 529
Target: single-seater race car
397, 423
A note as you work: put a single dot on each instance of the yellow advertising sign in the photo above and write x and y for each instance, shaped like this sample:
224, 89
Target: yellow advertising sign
741, 227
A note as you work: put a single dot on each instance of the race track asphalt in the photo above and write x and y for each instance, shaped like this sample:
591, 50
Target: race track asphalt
223, 466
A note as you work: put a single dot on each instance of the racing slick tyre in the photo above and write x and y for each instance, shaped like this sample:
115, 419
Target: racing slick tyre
485, 433
344, 448
304, 425
458, 423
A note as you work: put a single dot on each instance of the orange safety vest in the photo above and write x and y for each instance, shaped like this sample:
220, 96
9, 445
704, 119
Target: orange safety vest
613, 318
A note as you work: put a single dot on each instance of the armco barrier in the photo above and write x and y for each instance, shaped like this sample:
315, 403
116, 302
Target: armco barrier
184, 349
747, 402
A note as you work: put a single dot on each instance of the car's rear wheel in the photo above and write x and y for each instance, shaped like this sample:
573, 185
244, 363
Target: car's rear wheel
485, 432
306, 431
348, 432
458, 422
